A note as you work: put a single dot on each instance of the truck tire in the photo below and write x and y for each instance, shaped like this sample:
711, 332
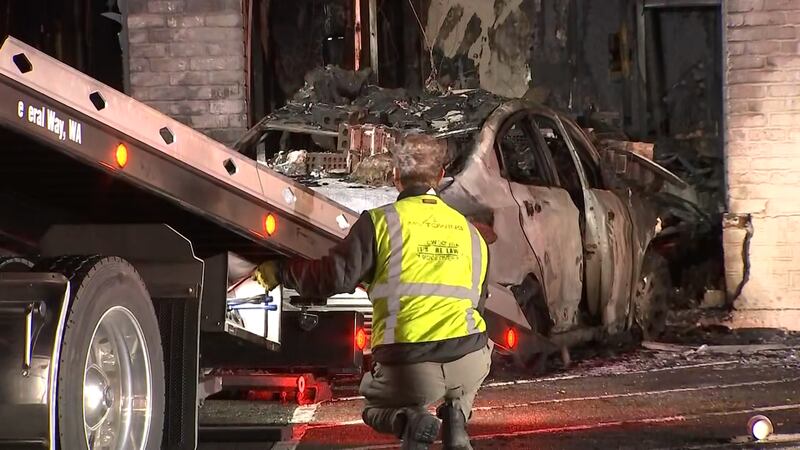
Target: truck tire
651, 300
111, 369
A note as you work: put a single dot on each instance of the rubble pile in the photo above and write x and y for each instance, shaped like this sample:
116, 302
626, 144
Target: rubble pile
332, 97
697, 160
373, 171
292, 164
643, 149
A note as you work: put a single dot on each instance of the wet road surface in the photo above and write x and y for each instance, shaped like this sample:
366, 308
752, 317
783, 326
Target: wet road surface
642, 401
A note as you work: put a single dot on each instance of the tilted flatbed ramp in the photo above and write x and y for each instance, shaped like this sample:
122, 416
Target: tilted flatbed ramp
87, 120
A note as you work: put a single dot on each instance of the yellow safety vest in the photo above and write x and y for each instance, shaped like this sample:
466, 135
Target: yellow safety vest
430, 266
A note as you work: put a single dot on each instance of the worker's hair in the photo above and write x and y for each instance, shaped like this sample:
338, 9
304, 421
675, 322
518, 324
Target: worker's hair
419, 159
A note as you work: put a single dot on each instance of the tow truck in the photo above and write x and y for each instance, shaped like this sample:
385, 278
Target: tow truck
127, 240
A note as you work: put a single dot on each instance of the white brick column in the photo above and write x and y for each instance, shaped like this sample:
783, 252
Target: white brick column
187, 60
762, 95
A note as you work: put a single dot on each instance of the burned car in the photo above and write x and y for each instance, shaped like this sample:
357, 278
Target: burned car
574, 257
576, 235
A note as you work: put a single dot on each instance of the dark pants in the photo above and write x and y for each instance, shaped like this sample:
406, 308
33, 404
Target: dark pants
388, 389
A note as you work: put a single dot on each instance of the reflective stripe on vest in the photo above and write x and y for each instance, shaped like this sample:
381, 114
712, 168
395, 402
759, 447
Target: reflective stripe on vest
394, 288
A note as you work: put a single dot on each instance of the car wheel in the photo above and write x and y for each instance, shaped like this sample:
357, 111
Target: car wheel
111, 368
650, 303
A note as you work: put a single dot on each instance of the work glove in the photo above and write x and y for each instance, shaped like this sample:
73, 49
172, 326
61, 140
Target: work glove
267, 274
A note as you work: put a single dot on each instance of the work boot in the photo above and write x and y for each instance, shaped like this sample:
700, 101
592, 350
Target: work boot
417, 428
454, 427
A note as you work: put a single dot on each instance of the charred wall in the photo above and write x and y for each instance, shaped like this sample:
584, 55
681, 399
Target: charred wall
552, 51
587, 56
487, 44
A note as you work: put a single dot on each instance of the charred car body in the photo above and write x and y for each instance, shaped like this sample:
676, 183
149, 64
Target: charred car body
577, 236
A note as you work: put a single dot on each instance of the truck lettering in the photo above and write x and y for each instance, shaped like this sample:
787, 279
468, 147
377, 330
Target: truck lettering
74, 131
48, 119
55, 124
36, 115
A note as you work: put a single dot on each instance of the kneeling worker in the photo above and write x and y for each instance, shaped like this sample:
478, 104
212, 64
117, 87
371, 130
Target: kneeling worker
425, 267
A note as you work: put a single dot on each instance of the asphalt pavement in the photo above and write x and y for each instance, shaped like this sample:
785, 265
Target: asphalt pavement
640, 399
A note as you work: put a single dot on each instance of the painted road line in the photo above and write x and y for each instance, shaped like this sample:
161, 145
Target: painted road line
301, 417
344, 423
347, 399
304, 414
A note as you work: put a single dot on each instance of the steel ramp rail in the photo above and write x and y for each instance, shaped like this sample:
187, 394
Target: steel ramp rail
70, 105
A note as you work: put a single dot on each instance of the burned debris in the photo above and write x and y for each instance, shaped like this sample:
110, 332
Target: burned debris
340, 129
339, 114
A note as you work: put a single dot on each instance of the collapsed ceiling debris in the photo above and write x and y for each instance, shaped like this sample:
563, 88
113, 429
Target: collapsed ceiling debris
327, 114
693, 156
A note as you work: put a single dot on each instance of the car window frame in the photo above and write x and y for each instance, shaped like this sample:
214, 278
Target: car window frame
541, 151
555, 119
587, 155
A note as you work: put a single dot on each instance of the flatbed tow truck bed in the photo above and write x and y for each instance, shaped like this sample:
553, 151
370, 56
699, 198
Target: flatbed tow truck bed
93, 182
74, 114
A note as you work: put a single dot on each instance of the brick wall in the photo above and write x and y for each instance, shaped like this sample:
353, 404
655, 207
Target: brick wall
763, 160
187, 60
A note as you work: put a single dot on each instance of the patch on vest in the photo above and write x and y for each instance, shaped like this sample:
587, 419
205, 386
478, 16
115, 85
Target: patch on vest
438, 250
429, 201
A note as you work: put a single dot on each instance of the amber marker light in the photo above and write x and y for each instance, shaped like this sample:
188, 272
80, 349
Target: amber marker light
270, 224
121, 155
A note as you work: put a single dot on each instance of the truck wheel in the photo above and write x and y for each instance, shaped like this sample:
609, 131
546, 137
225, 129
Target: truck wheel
111, 369
650, 303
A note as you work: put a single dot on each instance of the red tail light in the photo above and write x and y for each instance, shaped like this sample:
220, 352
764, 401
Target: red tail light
361, 339
511, 338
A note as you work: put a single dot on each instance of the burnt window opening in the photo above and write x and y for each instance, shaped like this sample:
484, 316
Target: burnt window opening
289, 40
568, 174
522, 160
565, 166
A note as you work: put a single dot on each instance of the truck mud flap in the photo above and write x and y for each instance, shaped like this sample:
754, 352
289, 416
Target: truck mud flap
32, 312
